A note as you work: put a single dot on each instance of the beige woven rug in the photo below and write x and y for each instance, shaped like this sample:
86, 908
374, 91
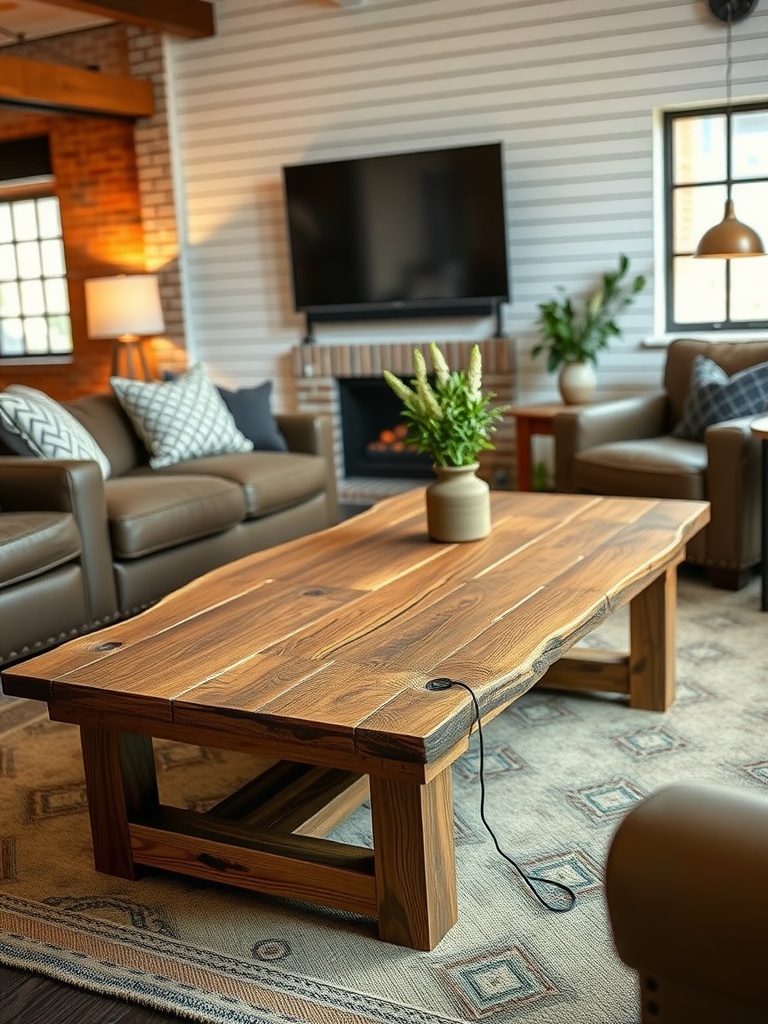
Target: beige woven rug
560, 770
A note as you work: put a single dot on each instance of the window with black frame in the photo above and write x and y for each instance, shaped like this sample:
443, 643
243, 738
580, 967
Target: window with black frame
34, 298
703, 148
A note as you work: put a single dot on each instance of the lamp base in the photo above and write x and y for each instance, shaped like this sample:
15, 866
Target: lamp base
129, 351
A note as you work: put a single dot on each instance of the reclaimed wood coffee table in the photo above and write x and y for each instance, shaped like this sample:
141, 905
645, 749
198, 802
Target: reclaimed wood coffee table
316, 655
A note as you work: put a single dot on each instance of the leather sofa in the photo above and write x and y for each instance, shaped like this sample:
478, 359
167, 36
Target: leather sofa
685, 889
78, 552
626, 447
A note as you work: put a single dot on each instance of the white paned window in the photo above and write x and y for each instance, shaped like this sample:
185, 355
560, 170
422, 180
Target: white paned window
34, 302
701, 154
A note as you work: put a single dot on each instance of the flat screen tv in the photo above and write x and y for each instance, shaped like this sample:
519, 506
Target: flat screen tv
398, 234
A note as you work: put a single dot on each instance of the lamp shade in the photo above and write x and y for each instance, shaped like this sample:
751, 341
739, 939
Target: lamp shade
730, 239
126, 305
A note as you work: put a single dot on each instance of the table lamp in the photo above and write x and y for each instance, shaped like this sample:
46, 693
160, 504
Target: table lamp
126, 308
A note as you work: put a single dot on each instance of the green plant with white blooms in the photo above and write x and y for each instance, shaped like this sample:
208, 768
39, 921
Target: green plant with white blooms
450, 420
572, 335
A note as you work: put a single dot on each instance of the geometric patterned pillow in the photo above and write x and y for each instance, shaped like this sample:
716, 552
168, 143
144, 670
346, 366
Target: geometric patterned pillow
713, 396
46, 428
180, 419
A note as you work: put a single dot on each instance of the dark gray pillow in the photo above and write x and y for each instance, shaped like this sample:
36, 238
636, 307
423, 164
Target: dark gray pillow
250, 408
714, 397
13, 444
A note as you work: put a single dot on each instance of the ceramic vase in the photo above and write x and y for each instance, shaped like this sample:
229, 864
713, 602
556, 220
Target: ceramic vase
577, 383
458, 504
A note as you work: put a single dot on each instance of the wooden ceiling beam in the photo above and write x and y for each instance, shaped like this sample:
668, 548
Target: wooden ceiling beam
36, 84
190, 18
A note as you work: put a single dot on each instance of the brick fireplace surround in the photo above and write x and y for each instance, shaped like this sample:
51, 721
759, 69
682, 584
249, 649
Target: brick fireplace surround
318, 368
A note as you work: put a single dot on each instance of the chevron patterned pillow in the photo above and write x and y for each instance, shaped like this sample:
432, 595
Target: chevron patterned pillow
714, 397
180, 419
46, 428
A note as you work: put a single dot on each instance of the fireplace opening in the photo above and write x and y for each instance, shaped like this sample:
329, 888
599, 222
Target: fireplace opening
373, 432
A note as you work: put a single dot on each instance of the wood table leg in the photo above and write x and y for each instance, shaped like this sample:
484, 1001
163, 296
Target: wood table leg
764, 525
415, 862
652, 635
523, 428
121, 782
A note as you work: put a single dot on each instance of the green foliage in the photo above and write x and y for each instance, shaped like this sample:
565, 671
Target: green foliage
450, 420
571, 335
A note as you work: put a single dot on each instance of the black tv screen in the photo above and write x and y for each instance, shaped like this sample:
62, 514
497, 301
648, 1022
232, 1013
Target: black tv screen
398, 232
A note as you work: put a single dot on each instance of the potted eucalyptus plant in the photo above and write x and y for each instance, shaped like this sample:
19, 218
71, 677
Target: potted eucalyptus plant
451, 420
573, 335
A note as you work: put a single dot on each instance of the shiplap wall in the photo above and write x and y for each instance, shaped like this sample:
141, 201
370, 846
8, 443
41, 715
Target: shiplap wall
569, 86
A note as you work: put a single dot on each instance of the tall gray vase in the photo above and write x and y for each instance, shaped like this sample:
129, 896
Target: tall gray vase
458, 504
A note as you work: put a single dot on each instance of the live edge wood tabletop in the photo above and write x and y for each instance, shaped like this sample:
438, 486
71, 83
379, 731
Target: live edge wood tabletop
316, 655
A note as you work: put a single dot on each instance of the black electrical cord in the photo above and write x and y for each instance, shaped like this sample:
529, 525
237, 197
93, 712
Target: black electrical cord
567, 895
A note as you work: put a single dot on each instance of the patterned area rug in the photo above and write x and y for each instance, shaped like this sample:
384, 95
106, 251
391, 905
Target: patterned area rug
561, 771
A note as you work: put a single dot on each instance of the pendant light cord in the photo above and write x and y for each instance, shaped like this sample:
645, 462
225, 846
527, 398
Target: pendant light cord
728, 94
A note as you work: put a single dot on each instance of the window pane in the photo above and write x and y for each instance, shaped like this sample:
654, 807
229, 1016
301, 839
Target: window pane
13, 337
750, 144
699, 290
32, 299
52, 253
10, 303
24, 219
28, 255
699, 147
749, 289
56, 298
751, 206
36, 335
60, 331
6, 224
7, 263
696, 210
48, 217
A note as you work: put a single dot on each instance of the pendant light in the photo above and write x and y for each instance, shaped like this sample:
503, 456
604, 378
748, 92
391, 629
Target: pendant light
730, 239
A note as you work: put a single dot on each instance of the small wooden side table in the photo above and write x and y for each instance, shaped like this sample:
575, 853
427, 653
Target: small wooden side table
760, 429
529, 420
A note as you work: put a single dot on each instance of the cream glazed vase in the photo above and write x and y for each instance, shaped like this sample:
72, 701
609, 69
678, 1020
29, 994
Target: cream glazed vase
577, 383
458, 504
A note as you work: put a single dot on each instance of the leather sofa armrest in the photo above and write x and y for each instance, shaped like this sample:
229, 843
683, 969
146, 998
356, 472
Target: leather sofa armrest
28, 485
684, 881
733, 472
312, 435
581, 427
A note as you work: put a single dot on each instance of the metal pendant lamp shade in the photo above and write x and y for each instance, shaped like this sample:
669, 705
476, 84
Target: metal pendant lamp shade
730, 239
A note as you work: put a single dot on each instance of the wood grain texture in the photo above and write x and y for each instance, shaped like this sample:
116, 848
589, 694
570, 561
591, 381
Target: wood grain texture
50, 86
653, 629
416, 877
120, 782
582, 669
301, 799
328, 642
294, 867
320, 651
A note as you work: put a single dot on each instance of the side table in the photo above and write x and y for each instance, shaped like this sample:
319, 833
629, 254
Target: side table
759, 428
529, 420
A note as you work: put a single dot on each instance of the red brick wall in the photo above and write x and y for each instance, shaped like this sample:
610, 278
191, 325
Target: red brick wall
94, 163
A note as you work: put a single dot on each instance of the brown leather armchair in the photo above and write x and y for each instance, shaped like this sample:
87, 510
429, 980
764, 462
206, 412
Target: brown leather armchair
688, 904
625, 447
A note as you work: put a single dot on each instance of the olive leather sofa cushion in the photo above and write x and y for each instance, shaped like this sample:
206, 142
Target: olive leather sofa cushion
269, 480
148, 513
33, 543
